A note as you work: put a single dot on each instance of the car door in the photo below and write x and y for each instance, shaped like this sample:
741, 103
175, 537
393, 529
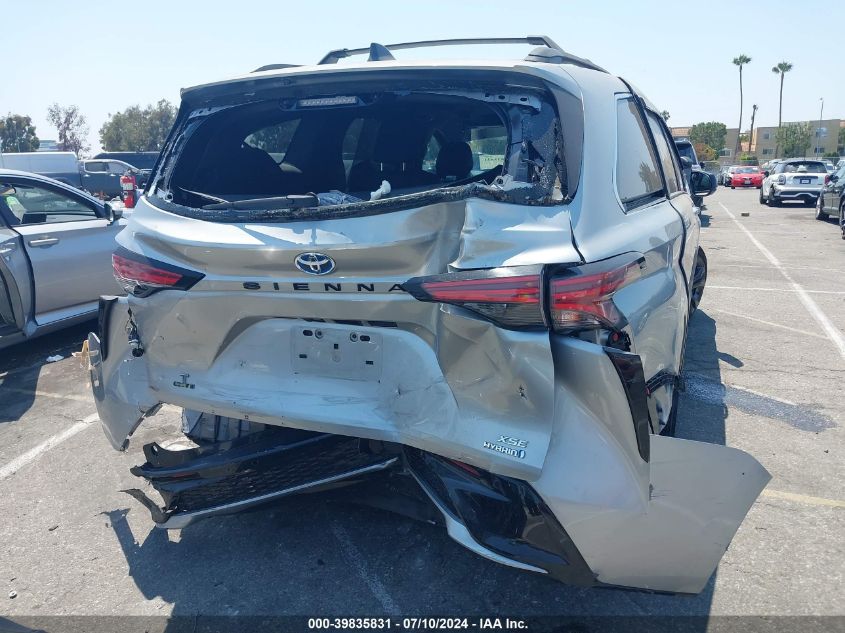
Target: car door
96, 177
656, 305
832, 192
15, 286
69, 243
116, 170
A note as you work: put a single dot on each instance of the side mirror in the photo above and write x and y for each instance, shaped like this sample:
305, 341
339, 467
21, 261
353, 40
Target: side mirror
702, 183
766, 173
701, 164
113, 214
686, 163
834, 178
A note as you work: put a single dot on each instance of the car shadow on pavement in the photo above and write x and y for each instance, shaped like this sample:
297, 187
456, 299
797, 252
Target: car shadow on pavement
310, 558
702, 409
21, 366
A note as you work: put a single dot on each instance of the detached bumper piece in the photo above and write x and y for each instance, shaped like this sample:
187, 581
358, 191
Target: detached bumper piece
232, 476
500, 518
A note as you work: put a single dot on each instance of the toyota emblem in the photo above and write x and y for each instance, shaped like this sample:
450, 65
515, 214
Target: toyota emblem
314, 263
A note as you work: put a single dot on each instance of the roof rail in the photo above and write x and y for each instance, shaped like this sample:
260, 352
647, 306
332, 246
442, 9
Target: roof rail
332, 57
275, 67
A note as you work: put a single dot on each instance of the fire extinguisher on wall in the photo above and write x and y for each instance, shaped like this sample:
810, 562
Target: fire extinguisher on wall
129, 187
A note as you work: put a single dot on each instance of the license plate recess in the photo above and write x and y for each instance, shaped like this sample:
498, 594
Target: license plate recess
337, 353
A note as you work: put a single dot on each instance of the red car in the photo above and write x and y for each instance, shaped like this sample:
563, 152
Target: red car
747, 177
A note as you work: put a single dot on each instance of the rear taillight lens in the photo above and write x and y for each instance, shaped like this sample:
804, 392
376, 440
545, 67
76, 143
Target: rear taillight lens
141, 276
577, 297
581, 298
510, 297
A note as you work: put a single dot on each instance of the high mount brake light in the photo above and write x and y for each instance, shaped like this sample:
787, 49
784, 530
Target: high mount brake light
509, 299
141, 276
584, 300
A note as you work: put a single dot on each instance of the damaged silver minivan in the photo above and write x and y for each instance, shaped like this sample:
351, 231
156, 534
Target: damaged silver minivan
471, 279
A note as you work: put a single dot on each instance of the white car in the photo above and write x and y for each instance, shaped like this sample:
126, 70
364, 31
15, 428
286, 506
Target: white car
796, 179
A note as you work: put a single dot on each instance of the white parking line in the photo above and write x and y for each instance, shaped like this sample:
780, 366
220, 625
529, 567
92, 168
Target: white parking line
813, 308
354, 556
758, 288
22, 460
769, 323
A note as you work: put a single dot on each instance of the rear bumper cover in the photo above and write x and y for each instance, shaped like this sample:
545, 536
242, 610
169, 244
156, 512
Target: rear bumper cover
608, 509
795, 193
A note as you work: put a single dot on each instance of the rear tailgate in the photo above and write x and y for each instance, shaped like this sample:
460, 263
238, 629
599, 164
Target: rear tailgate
351, 352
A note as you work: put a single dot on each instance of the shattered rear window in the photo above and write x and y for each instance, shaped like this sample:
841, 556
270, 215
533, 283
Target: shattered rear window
355, 149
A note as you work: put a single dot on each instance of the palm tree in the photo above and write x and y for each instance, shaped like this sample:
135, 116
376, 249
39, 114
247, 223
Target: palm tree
781, 69
665, 115
740, 61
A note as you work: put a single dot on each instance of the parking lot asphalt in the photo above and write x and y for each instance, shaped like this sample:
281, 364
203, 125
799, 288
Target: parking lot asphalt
765, 370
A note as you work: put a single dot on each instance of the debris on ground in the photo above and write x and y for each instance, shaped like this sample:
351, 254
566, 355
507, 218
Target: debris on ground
13, 594
54, 359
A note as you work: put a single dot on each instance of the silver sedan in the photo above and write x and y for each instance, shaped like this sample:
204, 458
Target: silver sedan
55, 255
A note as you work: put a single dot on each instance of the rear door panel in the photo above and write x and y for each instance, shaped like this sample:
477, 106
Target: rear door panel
71, 262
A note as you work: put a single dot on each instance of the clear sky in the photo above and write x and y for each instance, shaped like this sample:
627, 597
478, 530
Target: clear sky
105, 56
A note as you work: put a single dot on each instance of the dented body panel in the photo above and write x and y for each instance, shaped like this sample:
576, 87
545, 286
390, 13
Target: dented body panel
525, 414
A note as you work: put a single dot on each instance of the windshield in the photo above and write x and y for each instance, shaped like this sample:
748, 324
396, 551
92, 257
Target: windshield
685, 149
747, 170
810, 167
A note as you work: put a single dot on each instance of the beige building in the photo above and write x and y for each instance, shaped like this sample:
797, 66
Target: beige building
763, 145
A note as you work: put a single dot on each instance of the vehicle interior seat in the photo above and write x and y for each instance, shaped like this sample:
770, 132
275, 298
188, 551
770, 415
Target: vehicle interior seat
454, 161
397, 158
245, 171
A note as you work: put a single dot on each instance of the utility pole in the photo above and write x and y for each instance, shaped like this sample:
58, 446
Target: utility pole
751, 133
819, 133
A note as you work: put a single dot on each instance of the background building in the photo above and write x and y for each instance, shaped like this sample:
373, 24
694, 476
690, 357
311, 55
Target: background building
825, 140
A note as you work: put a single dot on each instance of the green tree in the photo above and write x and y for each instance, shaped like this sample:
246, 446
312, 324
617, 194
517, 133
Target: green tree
795, 139
17, 134
138, 129
740, 61
781, 69
711, 134
705, 152
71, 126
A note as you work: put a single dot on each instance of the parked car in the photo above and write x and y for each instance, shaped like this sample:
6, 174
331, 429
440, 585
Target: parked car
794, 179
61, 166
102, 177
55, 250
746, 177
689, 164
831, 201
142, 161
506, 346
727, 175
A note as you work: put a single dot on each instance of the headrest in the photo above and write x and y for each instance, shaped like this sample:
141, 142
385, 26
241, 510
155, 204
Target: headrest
454, 160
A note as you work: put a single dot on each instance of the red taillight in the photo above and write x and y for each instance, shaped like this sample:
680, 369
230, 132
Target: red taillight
143, 273
522, 289
827, 179
141, 276
585, 301
579, 297
511, 300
